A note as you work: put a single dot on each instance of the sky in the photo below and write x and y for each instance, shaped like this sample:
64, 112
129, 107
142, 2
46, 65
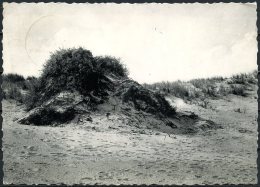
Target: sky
157, 42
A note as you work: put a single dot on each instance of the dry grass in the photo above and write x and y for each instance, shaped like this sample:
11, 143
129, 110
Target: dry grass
16, 87
199, 89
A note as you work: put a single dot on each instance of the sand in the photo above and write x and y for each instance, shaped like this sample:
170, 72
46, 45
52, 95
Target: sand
105, 152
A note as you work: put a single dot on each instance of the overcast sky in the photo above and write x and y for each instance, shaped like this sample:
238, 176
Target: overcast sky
156, 41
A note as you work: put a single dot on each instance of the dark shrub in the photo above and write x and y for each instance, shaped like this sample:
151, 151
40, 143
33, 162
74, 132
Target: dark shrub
240, 78
217, 79
238, 90
13, 77
76, 69
48, 116
29, 78
147, 101
68, 69
108, 64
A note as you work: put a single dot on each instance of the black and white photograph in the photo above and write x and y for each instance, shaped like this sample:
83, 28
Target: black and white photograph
148, 93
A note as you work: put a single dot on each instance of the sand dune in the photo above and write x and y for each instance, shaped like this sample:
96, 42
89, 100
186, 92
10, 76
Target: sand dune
108, 151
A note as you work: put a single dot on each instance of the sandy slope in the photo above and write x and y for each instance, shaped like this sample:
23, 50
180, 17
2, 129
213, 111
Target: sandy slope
109, 154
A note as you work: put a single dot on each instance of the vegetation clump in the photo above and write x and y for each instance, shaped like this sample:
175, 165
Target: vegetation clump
215, 87
13, 78
46, 115
94, 80
145, 100
77, 69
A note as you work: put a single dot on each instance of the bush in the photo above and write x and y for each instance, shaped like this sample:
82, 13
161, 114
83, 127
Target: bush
147, 101
29, 78
68, 69
217, 79
108, 64
76, 70
13, 77
48, 116
238, 90
239, 79
243, 78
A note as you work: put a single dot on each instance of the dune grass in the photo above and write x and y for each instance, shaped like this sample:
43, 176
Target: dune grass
214, 87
